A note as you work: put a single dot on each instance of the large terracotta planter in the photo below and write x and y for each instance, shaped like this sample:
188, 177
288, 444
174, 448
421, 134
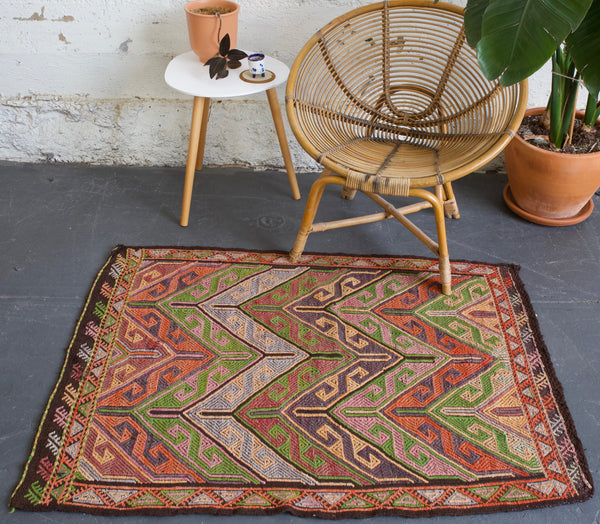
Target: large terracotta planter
550, 188
203, 30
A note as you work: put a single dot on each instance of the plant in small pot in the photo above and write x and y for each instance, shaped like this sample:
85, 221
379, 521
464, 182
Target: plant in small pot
206, 21
514, 39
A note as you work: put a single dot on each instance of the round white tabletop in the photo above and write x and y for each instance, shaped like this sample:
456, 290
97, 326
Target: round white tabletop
186, 74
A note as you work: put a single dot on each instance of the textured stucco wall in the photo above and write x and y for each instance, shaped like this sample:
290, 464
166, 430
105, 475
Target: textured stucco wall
82, 81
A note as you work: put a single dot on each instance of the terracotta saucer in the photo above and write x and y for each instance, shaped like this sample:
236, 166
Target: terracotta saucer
585, 212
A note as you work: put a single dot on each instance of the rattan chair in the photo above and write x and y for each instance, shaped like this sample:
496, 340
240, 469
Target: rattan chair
390, 100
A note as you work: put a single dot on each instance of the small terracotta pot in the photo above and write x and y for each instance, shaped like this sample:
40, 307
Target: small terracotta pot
547, 187
203, 30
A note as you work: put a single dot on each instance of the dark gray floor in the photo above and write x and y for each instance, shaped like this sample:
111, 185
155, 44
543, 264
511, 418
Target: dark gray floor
59, 223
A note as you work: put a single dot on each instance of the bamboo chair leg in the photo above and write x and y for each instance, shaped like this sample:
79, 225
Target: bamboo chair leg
348, 194
439, 192
443, 255
312, 204
450, 205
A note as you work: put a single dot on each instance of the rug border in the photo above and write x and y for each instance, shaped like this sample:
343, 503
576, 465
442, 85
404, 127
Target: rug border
555, 384
35, 450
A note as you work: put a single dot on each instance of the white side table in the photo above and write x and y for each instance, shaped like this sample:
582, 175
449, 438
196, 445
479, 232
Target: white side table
186, 74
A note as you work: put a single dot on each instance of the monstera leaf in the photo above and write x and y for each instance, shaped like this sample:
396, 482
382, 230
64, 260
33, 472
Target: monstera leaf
515, 38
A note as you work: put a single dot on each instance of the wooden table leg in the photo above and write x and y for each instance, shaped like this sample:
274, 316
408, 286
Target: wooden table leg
283, 144
205, 111
194, 147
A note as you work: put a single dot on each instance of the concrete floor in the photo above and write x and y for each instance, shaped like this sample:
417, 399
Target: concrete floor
59, 223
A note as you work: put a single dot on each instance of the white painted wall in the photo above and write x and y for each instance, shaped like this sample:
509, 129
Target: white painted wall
82, 81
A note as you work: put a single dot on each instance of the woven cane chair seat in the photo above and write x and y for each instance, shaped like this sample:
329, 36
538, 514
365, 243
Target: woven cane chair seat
391, 96
390, 100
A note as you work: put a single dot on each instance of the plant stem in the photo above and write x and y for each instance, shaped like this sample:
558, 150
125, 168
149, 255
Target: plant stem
569, 115
565, 84
556, 98
592, 111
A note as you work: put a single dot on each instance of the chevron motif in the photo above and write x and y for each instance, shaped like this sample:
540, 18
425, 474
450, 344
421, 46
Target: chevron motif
229, 381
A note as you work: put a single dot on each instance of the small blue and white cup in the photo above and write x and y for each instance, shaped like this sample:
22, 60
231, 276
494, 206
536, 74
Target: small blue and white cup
256, 64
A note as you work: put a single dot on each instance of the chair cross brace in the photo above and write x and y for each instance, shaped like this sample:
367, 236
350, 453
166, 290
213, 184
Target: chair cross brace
442, 201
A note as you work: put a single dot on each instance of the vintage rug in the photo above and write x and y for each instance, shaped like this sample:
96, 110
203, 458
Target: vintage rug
205, 380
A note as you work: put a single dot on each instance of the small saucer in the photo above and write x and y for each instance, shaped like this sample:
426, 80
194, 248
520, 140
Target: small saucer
246, 76
585, 212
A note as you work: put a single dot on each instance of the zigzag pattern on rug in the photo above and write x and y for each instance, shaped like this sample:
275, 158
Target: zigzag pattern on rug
230, 381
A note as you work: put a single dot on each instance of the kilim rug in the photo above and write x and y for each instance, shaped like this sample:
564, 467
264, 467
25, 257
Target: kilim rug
204, 380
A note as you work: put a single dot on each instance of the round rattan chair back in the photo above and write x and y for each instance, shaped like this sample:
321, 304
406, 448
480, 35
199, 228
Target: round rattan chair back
391, 97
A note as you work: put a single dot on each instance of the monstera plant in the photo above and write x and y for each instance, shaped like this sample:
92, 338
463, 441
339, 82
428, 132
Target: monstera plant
515, 38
